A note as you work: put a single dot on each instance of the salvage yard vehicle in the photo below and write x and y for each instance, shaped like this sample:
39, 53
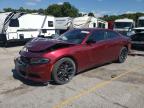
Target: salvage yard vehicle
15, 27
137, 34
76, 50
123, 25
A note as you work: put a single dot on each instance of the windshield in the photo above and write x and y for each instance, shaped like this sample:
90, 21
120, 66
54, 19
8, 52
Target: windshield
74, 36
141, 23
122, 24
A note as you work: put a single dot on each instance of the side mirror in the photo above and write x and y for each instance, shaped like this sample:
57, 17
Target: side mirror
90, 41
129, 29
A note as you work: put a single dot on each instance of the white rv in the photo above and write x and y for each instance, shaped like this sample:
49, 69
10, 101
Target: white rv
89, 22
26, 26
5, 19
63, 24
123, 25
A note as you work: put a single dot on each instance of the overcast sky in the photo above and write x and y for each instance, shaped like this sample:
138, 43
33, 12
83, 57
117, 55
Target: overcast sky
97, 6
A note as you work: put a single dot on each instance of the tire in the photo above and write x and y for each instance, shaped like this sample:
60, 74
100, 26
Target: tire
60, 72
6, 44
123, 55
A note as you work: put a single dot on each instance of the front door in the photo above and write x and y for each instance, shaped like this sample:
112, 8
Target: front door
99, 48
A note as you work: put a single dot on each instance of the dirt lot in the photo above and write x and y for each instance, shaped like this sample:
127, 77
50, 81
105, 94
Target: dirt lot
110, 86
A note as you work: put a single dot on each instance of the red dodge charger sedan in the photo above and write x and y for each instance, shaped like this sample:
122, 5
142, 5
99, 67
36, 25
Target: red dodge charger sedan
59, 59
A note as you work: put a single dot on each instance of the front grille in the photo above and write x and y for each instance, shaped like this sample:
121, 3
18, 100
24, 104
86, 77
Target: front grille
25, 59
138, 37
23, 73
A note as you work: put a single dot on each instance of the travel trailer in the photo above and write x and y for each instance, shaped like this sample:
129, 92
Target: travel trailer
21, 27
62, 24
123, 25
89, 22
6, 20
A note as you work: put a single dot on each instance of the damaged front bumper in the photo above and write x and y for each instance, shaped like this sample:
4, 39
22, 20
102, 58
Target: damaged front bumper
37, 73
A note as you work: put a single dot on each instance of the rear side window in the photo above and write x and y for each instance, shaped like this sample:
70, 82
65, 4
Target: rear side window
112, 35
98, 36
50, 23
14, 23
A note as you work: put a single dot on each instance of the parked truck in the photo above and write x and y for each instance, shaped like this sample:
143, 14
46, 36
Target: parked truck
140, 24
137, 34
123, 25
16, 27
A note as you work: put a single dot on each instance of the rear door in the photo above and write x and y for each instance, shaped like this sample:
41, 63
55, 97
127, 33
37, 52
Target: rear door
113, 44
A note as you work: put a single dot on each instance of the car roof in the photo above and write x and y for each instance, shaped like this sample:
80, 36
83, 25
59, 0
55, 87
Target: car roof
93, 29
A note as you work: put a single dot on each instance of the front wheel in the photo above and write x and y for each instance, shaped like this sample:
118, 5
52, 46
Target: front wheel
123, 55
64, 70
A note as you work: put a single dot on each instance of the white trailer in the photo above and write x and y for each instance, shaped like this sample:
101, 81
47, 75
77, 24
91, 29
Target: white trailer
89, 22
26, 26
123, 25
5, 19
63, 24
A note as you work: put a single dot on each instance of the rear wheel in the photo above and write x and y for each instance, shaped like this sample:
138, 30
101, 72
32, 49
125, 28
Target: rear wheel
123, 55
64, 70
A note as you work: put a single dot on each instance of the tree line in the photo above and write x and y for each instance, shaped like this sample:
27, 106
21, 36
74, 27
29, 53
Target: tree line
133, 16
66, 9
57, 10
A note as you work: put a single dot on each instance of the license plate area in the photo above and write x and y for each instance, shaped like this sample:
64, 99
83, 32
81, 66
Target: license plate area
21, 66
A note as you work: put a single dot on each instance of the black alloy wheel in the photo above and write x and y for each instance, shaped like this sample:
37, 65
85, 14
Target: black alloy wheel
123, 55
64, 70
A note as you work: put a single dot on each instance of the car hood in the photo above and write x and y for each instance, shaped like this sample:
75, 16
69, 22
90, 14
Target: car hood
44, 44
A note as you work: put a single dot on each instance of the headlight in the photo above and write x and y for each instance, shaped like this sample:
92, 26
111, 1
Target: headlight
39, 61
24, 49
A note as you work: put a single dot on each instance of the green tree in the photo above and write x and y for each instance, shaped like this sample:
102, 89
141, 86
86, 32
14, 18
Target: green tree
64, 10
41, 11
133, 16
90, 14
8, 9
54, 10
21, 9
69, 10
